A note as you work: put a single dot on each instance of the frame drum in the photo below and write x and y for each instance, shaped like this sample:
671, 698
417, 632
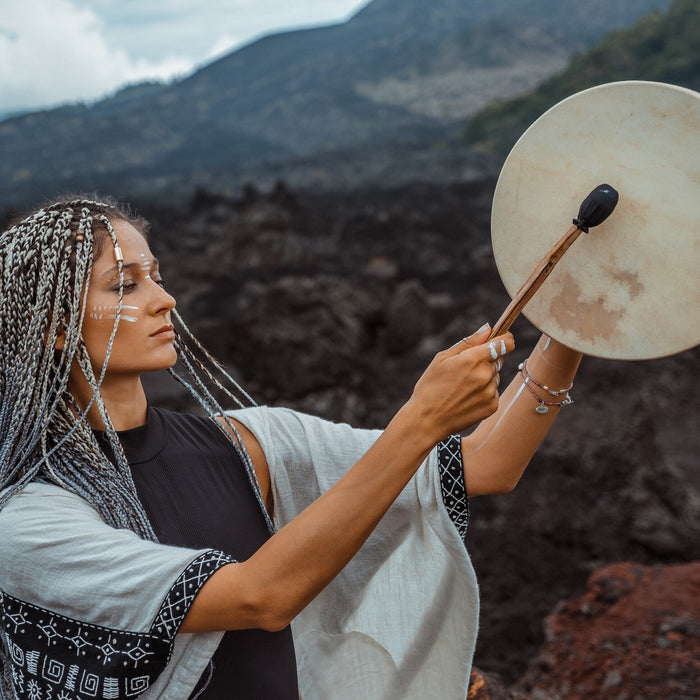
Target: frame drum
630, 288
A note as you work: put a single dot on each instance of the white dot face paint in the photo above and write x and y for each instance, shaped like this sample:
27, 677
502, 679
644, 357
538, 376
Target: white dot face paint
145, 266
103, 311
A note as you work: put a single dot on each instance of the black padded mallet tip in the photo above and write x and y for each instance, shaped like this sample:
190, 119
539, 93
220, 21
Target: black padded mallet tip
597, 207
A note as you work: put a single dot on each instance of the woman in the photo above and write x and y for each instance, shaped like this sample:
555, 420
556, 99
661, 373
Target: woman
151, 554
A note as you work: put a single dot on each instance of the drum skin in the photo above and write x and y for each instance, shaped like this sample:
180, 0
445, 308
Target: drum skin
630, 288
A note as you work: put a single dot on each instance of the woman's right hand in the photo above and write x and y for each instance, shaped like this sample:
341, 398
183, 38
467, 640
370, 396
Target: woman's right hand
266, 591
460, 386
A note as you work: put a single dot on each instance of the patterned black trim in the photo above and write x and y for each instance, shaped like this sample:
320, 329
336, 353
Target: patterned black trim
55, 657
454, 491
176, 604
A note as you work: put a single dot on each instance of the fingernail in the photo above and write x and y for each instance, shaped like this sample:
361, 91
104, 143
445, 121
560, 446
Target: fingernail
483, 328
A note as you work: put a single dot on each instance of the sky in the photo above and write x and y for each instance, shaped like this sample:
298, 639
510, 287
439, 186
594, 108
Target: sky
61, 51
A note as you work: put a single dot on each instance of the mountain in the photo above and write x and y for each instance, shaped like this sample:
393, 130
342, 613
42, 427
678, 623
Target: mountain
398, 75
660, 47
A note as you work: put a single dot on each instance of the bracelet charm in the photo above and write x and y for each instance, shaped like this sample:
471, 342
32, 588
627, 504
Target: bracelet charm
544, 405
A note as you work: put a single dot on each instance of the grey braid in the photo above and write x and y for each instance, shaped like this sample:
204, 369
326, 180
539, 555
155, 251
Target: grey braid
45, 266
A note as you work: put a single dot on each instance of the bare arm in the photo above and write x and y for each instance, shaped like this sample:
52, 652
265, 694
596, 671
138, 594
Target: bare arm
458, 389
498, 451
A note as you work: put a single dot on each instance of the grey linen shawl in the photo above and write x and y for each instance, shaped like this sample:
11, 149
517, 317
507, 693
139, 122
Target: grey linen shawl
89, 611
400, 621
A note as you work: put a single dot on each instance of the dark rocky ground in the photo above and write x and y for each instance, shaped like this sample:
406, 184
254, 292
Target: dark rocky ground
333, 303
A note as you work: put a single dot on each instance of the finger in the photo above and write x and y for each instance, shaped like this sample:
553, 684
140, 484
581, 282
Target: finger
476, 338
480, 336
498, 347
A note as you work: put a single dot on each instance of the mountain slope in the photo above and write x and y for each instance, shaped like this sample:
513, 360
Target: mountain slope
398, 73
660, 47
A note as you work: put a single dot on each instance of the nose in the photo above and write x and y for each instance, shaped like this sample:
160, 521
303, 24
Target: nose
162, 301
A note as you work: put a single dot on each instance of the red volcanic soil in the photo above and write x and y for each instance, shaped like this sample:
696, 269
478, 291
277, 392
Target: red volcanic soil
635, 633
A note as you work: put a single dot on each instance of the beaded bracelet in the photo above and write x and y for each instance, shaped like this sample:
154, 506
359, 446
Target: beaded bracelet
544, 405
552, 392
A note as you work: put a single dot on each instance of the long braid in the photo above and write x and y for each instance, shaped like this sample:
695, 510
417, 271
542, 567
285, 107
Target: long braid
46, 261
206, 399
45, 266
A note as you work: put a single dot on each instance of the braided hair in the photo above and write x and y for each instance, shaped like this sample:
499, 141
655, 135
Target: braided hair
45, 265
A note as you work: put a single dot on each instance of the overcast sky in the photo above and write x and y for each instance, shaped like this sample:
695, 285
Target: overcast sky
58, 51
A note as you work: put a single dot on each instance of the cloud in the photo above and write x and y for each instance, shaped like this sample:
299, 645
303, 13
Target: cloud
201, 30
58, 51
52, 51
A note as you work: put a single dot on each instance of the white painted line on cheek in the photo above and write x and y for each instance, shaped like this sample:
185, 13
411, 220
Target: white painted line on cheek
124, 317
97, 313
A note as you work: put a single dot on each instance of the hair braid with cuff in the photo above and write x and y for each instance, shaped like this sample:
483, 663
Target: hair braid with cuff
45, 266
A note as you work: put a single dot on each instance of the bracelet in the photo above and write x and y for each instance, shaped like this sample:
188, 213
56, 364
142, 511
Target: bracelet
544, 405
552, 392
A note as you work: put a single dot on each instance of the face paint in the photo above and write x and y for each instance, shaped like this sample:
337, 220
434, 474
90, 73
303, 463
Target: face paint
145, 265
110, 311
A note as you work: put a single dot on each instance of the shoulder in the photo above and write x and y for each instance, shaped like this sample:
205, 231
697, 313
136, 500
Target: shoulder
278, 421
293, 441
43, 503
178, 421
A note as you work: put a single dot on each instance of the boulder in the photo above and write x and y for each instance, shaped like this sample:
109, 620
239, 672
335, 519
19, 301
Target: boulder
634, 633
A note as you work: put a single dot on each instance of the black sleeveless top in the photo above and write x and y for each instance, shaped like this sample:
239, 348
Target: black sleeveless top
196, 493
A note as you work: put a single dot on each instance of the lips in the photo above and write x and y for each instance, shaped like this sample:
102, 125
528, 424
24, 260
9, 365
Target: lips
166, 331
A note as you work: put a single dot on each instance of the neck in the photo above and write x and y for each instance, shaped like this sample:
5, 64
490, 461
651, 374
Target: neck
124, 400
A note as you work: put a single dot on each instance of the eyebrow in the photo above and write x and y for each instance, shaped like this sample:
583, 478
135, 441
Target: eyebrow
126, 267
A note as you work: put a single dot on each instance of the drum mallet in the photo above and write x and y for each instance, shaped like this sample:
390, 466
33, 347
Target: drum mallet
597, 207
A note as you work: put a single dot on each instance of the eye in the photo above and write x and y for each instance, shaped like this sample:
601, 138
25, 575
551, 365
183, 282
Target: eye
129, 285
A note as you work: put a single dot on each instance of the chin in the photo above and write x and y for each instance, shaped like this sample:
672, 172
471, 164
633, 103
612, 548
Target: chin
161, 364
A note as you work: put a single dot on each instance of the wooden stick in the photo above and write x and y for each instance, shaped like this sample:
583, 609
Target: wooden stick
534, 282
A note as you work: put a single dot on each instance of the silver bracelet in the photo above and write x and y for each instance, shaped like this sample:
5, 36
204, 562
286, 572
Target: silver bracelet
544, 405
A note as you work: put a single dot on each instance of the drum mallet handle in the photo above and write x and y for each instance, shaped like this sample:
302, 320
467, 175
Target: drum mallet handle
597, 207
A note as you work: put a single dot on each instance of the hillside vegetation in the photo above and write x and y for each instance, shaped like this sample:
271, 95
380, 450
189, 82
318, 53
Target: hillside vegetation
342, 105
660, 47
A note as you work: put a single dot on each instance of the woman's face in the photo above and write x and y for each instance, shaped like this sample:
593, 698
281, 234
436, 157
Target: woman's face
144, 338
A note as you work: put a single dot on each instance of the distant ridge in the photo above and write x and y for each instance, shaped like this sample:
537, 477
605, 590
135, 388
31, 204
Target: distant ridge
663, 47
396, 78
